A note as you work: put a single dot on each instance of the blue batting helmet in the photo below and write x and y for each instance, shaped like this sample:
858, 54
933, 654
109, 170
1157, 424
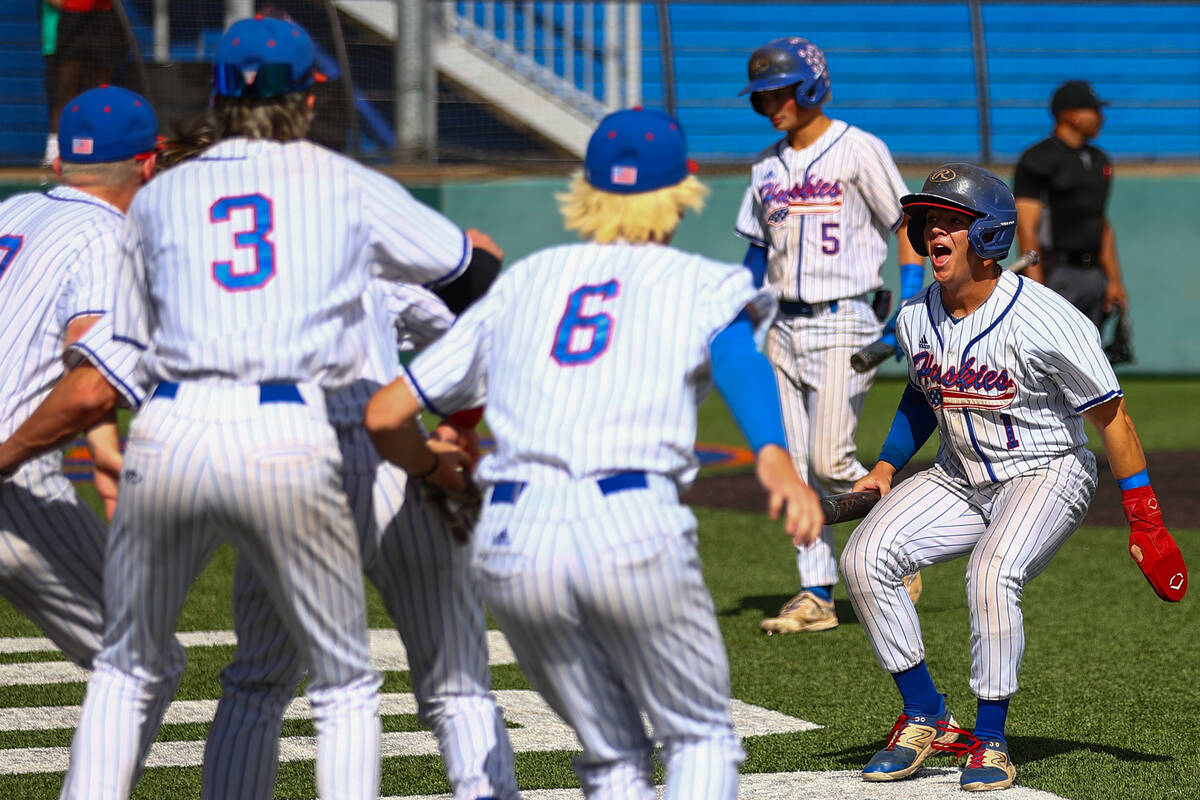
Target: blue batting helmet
972, 190
790, 61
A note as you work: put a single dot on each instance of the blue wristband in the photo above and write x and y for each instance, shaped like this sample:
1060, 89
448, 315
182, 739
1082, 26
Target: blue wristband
1134, 481
912, 278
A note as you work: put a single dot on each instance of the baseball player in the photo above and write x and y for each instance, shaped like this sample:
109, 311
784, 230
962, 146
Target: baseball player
57, 251
821, 204
1006, 370
421, 576
584, 553
241, 278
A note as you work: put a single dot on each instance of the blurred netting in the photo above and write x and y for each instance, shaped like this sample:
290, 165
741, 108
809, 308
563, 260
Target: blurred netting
524, 82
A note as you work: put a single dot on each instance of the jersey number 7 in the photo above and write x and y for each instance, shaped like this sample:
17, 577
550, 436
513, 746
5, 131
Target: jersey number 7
10, 244
575, 327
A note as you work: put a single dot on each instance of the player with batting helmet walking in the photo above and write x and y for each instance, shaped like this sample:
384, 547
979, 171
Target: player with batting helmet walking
821, 204
1006, 371
584, 553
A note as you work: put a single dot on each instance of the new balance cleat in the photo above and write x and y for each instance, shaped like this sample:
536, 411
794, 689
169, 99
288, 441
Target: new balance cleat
988, 767
804, 612
911, 742
912, 585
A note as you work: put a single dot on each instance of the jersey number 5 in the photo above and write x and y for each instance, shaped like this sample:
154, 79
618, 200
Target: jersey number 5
255, 237
10, 244
575, 327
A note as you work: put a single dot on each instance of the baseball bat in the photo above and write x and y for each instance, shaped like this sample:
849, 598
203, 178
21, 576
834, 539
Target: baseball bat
850, 505
877, 352
873, 355
1029, 258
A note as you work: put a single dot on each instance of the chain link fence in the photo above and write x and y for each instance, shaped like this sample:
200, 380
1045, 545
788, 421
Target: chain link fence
522, 83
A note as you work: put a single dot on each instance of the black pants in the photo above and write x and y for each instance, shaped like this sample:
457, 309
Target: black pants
90, 45
1083, 286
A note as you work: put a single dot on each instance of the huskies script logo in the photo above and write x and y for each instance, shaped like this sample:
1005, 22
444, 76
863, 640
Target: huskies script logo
814, 196
967, 386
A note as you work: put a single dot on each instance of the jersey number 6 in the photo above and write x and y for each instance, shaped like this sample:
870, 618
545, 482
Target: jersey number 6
574, 322
255, 237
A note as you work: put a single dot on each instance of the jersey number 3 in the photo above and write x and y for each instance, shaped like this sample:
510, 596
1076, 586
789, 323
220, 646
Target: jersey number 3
576, 328
255, 237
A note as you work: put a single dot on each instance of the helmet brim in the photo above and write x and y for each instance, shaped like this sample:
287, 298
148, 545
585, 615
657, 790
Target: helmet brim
925, 200
772, 83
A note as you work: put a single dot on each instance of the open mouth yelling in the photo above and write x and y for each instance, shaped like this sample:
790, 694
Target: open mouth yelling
939, 254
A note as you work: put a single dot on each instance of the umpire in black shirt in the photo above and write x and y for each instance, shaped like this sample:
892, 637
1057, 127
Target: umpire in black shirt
1062, 186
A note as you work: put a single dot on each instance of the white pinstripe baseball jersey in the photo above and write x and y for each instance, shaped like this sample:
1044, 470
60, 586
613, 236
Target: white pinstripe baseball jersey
824, 213
1009, 381
57, 251
414, 317
119, 361
262, 279
617, 335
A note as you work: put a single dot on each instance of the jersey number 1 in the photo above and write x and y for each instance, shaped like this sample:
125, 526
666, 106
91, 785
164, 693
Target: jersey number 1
574, 321
255, 237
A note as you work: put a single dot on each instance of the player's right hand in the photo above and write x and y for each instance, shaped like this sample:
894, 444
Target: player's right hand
482, 241
879, 479
786, 492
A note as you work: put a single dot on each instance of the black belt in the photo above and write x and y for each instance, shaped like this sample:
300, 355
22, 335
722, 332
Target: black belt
267, 392
1079, 258
799, 308
509, 491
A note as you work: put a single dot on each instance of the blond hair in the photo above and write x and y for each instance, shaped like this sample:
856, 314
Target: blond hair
606, 217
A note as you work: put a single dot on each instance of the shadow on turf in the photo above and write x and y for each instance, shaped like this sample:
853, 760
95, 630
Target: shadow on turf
1025, 750
768, 605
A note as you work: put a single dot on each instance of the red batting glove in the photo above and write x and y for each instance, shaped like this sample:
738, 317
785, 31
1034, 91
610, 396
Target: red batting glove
1151, 545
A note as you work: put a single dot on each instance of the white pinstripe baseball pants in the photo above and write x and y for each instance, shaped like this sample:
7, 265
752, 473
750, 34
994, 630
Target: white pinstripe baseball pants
52, 557
604, 602
1009, 530
214, 465
822, 401
422, 577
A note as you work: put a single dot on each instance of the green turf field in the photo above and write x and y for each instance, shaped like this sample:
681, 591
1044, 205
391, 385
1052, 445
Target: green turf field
1109, 706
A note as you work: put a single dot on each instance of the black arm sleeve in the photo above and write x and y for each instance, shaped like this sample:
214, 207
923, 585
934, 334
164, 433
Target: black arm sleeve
472, 284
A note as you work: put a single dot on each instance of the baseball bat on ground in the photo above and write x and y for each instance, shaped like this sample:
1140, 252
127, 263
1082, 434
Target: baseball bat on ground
848, 506
878, 351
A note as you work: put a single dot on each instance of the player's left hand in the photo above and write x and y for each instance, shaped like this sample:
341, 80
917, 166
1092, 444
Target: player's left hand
1114, 295
1151, 545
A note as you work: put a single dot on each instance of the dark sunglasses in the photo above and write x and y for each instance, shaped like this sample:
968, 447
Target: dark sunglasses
271, 80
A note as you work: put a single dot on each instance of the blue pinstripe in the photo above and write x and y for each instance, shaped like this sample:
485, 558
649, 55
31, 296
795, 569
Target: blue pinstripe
213, 465
604, 603
422, 578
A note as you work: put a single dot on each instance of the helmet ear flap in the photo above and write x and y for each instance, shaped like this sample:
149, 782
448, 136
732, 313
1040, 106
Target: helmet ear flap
916, 232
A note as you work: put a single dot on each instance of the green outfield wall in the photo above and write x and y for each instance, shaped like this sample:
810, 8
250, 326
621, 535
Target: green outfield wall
1157, 219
